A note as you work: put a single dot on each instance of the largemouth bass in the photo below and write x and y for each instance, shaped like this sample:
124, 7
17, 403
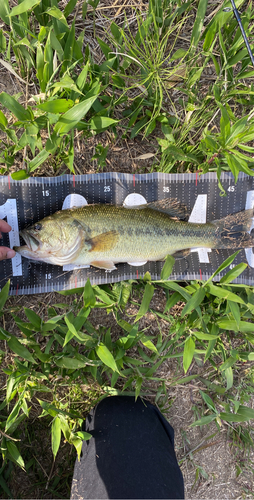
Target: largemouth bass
104, 235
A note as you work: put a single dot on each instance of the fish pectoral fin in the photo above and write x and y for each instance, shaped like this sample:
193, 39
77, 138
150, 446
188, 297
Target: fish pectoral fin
170, 206
104, 264
181, 253
103, 242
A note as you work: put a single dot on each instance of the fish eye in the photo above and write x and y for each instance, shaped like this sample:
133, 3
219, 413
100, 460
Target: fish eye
37, 227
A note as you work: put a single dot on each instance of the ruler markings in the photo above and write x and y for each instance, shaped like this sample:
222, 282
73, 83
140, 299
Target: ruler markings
152, 190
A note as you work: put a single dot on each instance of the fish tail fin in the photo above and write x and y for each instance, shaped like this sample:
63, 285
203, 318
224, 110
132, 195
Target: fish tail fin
233, 230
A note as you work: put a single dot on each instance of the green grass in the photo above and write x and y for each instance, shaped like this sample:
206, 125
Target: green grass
57, 353
211, 128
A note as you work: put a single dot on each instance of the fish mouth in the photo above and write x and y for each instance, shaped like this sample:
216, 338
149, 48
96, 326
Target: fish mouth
31, 242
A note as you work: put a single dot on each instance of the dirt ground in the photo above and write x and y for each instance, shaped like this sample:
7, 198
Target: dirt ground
206, 455
214, 458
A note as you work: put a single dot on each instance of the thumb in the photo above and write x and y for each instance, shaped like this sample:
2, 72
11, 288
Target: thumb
6, 253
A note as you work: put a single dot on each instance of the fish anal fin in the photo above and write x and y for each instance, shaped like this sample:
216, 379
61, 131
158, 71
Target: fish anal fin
181, 253
171, 206
108, 265
104, 241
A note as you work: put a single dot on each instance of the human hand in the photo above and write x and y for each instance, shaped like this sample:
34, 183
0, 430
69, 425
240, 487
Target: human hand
5, 252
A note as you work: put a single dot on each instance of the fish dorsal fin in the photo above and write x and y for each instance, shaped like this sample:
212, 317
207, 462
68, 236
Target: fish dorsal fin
104, 241
170, 206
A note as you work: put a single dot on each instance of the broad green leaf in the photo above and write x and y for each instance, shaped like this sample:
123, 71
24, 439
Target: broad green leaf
116, 32
56, 45
246, 74
237, 129
14, 453
138, 387
228, 363
147, 297
5, 11
224, 264
148, 343
3, 120
4, 294
204, 420
101, 122
81, 80
224, 123
147, 276
20, 349
70, 363
103, 296
240, 162
13, 416
24, 42
69, 7
243, 415
10, 385
178, 54
199, 22
77, 442
23, 7
205, 336
244, 157
167, 267
208, 401
184, 380
10, 103
177, 288
233, 273
210, 348
244, 326
234, 165
38, 160
223, 293
55, 435
56, 106
106, 357
245, 410
45, 358
194, 302
234, 308
20, 175
66, 83
229, 377
239, 56
15, 424
58, 14
172, 300
106, 49
33, 318
188, 353
84, 435
70, 119
89, 296
70, 326
180, 155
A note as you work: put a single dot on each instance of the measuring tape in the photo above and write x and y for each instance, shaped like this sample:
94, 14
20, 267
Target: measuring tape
23, 203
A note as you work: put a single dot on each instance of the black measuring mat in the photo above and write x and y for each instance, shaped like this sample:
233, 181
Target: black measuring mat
23, 203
